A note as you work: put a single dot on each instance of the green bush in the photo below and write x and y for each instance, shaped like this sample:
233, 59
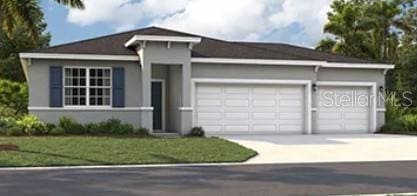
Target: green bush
14, 95
7, 112
111, 126
6, 124
31, 125
57, 131
71, 126
409, 122
392, 126
15, 131
141, 131
393, 108
196, 132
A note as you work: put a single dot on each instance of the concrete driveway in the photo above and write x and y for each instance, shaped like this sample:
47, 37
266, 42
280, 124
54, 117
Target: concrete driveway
329, 148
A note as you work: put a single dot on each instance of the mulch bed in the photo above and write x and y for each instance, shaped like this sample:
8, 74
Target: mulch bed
9, 147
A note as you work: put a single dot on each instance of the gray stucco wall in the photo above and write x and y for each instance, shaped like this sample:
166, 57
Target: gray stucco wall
39, 92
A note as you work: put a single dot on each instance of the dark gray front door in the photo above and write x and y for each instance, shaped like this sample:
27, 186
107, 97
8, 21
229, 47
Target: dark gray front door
157, 104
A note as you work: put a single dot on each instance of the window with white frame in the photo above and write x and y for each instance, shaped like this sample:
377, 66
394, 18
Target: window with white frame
87, 86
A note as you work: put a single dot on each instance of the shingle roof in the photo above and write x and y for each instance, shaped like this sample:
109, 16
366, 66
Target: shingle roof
209, 47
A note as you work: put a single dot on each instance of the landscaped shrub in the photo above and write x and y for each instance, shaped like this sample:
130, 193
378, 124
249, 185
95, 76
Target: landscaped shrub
409, 122
14, 95
15, 131
392, 126
31, 125
196, 132
7, 112
71, 126
6, 124
393, 108
57, 131
141, 132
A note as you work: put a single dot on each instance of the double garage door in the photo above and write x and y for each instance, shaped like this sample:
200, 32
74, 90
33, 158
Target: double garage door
270, 108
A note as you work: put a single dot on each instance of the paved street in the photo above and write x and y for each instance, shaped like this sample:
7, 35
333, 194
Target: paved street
300, 179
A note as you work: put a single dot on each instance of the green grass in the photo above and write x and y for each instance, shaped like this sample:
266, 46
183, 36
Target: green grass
88, 150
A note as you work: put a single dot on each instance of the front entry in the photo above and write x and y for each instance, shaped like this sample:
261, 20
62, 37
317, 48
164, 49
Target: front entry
158, 104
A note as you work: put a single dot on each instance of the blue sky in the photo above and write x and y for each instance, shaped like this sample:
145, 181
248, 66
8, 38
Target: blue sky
296, 22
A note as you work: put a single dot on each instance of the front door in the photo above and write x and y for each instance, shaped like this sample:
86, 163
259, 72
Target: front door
157, 104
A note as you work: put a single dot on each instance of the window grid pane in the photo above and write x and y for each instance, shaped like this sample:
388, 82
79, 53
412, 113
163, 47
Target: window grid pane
75, 86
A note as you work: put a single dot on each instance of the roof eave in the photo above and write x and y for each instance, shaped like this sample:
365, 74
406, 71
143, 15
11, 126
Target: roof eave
139, 39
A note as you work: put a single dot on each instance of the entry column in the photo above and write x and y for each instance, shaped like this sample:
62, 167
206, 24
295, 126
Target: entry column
186, 109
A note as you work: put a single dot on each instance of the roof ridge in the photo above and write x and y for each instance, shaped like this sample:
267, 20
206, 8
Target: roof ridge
305, 48
274, 51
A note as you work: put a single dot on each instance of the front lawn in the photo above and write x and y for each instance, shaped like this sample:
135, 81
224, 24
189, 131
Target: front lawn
88, 150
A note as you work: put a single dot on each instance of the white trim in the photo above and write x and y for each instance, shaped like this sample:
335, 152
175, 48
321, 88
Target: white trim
316, 64
381, 109
135, 40
373, 94
78, 56
145, 108
306, 83
35, 108
314, 109
162, 81
185, 108
256, 61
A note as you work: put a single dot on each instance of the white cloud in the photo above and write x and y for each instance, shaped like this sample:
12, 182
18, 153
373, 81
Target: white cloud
226, 19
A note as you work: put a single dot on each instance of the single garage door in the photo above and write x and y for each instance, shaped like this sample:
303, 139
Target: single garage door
343, 110
251, 109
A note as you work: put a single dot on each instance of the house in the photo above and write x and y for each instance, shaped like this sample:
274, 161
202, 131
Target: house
170, 81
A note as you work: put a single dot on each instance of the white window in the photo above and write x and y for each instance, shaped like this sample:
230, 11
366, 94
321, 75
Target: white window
87, 86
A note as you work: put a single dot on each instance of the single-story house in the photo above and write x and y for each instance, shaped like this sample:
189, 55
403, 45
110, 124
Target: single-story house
171, 81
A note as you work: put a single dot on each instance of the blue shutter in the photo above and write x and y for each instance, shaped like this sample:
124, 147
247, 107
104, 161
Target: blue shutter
118, 87
55, 86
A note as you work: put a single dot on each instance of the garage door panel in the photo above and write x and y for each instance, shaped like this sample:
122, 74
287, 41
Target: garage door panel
209, 115
286, 103
237, 102
355, 116
264, 115
236, 128
236, 116
236, 90
330, 116
209, 102
250, 108
265, 128
264, 91
290, 128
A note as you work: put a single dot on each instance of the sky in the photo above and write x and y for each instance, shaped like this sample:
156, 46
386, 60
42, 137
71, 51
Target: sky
298, 22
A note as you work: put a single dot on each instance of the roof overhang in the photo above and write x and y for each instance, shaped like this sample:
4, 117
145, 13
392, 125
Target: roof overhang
78, 56
313, 63
142, 39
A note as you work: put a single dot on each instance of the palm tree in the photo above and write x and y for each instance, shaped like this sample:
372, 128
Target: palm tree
27, 13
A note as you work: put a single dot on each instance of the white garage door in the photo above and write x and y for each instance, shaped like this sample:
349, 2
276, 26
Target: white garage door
343, 110
234, 108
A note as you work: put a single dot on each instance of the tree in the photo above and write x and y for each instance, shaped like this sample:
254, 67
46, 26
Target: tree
28, 14
11, 46
365, 28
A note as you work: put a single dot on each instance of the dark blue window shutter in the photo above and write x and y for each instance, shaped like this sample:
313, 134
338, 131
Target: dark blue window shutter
118, 87
55, 86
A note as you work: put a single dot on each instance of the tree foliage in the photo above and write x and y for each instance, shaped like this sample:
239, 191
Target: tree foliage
15, 14
368, 29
